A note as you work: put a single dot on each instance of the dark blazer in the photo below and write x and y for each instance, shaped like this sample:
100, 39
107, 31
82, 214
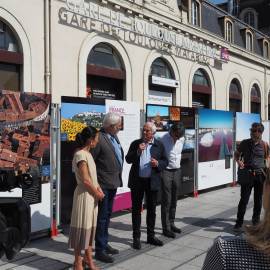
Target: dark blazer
158, 152
109, 171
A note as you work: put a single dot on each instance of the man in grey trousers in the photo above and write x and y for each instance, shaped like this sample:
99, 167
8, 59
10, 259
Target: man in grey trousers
173, 142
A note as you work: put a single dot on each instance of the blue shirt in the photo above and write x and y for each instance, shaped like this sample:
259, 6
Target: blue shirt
145, 162
117, 149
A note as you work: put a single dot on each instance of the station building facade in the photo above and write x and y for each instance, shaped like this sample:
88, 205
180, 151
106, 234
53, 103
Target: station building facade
184, 53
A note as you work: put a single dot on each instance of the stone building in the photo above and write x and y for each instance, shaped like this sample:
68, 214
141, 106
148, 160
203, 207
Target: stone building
188, 52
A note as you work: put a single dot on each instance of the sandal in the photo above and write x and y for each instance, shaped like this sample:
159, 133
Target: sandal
89, 265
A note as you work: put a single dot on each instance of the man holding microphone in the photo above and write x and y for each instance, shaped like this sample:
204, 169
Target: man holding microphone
148, 159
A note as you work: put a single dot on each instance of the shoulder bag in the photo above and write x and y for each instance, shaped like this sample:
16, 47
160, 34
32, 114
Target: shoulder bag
243, 177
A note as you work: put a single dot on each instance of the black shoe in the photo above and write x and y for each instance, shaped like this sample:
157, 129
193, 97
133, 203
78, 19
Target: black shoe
169, 234
110, 250
103, 257
154, 241
137, 243
237, 227
175, 229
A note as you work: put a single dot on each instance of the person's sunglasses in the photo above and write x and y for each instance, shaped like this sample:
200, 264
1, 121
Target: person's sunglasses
254, 130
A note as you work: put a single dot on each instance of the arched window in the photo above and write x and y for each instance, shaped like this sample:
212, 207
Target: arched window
162, 83
249, 16
235, 96
104, 55
195, 12
255, 97
160, 68
105, 73
201, 90
249, 41
229, 31
266, 49
11, 59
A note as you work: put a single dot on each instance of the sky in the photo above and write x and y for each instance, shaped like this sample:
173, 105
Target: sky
157, 110
215, 119
68, 110
244, 121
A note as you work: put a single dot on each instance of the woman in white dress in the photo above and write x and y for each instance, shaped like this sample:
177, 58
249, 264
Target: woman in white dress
85, 200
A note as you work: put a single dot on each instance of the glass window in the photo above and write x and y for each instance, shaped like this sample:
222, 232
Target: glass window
201, 90
160, 68
255, 99
235, 88
249, 42
105, 56
200, 78
249, 18
200, 100
235, 97
255, 91
229, 32
266, 50
195, 13
8, 41
9, 77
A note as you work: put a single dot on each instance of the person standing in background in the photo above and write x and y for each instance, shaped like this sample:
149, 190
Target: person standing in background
108, 156
148, 159
250, 157
173, 142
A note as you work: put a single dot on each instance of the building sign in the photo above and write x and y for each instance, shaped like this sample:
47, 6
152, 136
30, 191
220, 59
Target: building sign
88, 16
100, 93
165, 81
158, 97
224, 54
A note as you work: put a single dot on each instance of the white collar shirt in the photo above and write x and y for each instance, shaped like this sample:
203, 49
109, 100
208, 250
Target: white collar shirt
173, 150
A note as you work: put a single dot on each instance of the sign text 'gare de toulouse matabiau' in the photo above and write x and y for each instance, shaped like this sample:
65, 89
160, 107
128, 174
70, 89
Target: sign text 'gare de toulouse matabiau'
88, 16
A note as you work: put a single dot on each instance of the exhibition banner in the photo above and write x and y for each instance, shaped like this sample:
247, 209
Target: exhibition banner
215, 148
25, 149
215, 134
76, 113
130, 113
243, 124
163, 117
159, 97
76, 116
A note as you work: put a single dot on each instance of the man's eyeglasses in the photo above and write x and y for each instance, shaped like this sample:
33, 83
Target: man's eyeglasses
254, 130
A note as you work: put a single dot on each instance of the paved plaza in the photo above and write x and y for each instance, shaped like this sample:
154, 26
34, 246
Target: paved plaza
201, 219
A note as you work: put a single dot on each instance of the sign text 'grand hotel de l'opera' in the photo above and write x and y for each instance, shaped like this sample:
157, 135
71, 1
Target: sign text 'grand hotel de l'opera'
89, 16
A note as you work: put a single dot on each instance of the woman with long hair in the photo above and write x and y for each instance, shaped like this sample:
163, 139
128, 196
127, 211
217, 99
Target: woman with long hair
251, 252
85, 200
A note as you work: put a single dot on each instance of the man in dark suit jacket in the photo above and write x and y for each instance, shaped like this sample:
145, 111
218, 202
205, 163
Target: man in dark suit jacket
148, 159
108, 155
